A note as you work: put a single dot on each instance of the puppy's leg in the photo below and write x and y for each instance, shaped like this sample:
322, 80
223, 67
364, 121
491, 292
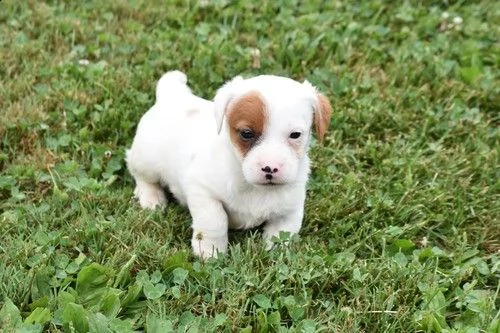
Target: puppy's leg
209, 226
141, 165
149, 195
289, 223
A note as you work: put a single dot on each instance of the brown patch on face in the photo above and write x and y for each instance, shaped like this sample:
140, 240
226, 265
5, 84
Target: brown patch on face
246, 118
322, 116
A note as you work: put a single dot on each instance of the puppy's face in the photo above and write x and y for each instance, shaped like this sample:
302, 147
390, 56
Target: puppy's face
269, 119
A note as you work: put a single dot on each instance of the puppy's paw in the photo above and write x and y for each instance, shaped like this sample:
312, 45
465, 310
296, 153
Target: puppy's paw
150, 196
206, 248
271, 231
153, 202
269, 244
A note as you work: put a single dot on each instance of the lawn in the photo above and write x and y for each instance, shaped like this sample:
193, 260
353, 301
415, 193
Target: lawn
402, 221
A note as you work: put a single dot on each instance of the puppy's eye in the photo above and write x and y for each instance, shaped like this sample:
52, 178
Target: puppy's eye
247, 135
295, 135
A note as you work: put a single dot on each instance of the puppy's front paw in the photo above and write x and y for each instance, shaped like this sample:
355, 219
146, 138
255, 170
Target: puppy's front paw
150, 196
271, 230
205, 247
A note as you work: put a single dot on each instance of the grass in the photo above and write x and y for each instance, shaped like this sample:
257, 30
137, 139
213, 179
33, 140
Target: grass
402, 228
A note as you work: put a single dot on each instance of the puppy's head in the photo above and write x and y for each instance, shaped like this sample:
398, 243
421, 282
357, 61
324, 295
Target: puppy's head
268, 120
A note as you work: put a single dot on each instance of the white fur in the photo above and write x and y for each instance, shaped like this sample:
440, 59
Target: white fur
177, 145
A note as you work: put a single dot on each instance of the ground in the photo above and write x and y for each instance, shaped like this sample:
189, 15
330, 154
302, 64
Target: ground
401, 229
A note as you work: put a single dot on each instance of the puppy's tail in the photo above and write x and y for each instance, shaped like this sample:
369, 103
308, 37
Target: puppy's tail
171, 84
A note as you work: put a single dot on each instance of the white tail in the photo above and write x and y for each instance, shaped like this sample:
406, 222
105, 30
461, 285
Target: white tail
171, 84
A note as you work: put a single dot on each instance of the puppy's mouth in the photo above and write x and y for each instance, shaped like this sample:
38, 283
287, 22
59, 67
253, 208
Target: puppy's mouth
271, 183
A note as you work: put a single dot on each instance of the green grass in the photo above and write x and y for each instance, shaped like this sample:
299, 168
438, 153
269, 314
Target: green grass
402, 225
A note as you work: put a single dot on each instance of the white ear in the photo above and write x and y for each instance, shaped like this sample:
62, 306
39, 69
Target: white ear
222, 99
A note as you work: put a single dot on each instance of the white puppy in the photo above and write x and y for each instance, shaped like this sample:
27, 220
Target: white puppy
236, 162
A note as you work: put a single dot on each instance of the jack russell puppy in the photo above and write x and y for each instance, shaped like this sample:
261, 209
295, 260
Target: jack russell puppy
237, 162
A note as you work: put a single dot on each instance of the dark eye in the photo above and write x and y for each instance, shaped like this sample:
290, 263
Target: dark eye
295, 135
247, 135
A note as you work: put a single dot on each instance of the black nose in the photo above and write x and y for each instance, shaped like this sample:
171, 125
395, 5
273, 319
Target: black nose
269, 176
267, 169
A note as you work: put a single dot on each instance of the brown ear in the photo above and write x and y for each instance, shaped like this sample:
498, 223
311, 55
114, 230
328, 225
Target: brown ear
322, 116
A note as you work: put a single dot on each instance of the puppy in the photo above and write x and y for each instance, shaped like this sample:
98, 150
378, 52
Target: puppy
236, 162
